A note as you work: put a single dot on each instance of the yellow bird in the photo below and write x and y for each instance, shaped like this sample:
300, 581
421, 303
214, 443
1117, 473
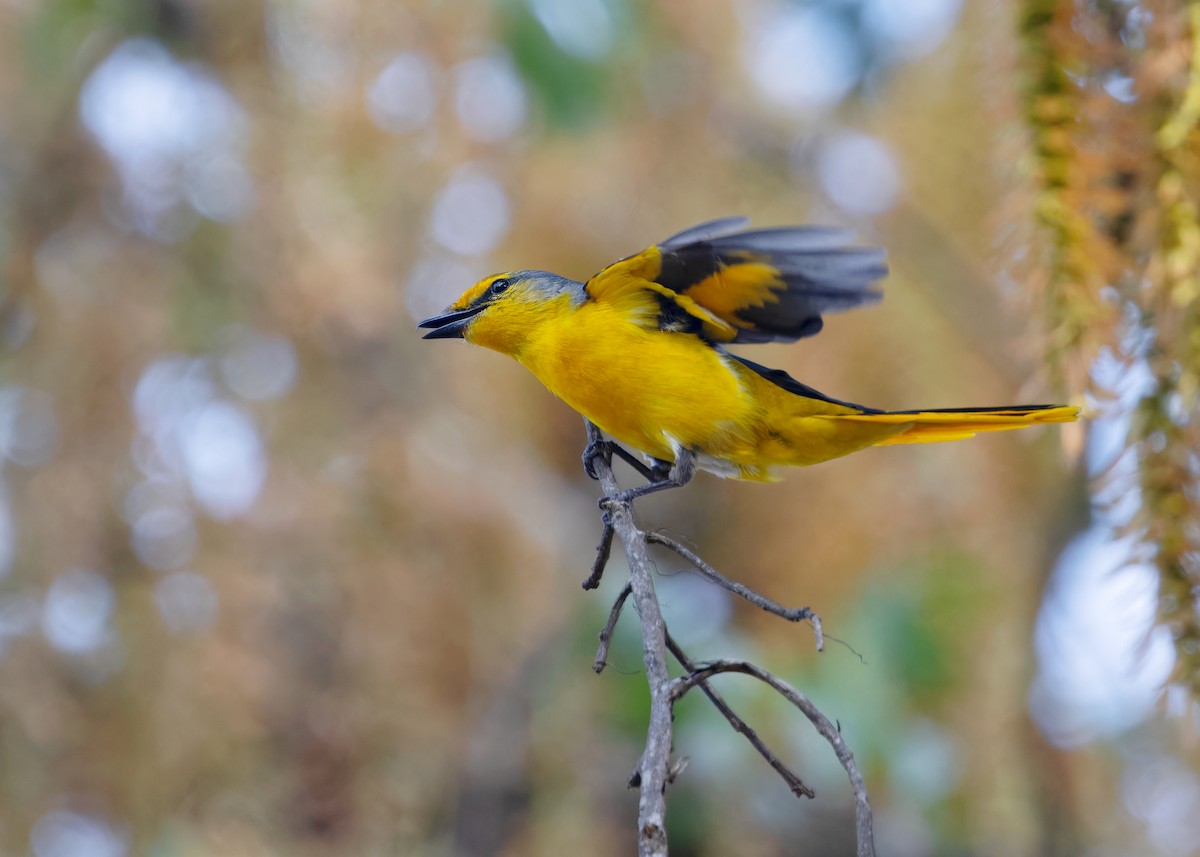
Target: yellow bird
639, 349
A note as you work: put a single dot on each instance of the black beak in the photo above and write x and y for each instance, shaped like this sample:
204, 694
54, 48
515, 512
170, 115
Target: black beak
449, 325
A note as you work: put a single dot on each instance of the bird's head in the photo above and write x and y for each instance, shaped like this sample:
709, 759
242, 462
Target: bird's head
499, 311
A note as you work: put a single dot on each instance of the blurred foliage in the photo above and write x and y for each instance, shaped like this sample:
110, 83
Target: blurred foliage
1113, 104
575, 92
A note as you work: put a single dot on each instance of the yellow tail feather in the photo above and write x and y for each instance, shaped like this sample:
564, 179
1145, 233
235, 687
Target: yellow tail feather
934, 426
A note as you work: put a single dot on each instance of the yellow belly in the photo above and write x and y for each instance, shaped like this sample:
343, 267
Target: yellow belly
651, 390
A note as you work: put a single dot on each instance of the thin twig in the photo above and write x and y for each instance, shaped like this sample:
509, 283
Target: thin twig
652, 770
602, 552
862, 808
797, 786
611, 625
800, 614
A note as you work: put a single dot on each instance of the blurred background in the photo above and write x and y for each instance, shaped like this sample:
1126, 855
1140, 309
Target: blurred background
276, 577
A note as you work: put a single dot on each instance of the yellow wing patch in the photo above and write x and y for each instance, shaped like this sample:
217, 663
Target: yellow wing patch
634, 272
737, 287
630, 284
765, 285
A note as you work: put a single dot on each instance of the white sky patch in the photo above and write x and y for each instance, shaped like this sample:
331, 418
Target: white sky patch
471, 213
858, 173
169, 393
172, 130
1102, 662
801, 57
143, 105
170, 387
1116, 493
1121, 87
76, 611
403, 97
1164, 795
489, 98
583, 28
224, 460
196, 438
910, 28
62, 833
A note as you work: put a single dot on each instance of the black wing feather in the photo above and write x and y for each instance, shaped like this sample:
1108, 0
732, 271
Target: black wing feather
782, 379
819, 272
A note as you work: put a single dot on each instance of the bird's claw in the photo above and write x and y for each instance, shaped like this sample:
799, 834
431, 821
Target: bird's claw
595, 449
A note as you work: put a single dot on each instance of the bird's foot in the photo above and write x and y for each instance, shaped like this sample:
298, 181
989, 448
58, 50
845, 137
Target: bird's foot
596, 449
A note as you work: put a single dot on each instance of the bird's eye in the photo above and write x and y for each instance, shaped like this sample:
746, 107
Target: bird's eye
500, 286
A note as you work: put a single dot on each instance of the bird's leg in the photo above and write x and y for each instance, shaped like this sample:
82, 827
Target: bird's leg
660, 470
681, 474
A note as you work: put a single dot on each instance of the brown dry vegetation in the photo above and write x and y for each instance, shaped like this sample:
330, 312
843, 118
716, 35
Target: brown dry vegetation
399, 659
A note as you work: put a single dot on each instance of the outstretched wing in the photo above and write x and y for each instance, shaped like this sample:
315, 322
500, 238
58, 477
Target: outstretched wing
733, 284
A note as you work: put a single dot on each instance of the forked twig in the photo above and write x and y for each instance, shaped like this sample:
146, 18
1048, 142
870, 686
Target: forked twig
611, 625
794, 783
831, 733
603, 550
797, 786
654, 770
797, 614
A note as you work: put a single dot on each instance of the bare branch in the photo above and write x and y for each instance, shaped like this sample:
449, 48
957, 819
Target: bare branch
760, 601
611, 625
794, 783
652, 770
831, 733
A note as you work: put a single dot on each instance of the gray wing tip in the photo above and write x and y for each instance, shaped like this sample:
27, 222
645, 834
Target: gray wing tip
707, 230
789, 239
731, 234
